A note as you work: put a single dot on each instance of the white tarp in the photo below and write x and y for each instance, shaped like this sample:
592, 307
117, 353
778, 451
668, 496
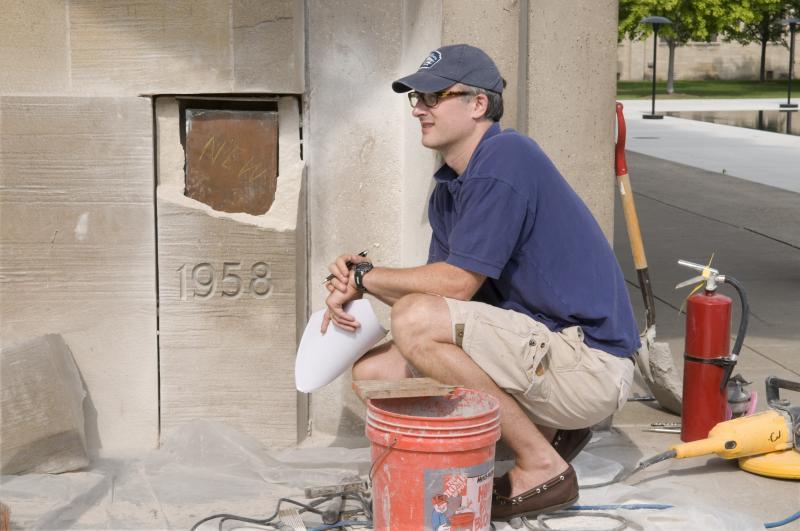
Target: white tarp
206, 468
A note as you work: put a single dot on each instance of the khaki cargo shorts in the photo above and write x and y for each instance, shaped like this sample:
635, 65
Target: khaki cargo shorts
558, 380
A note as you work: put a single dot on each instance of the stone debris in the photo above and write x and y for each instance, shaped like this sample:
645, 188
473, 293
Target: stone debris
41, 406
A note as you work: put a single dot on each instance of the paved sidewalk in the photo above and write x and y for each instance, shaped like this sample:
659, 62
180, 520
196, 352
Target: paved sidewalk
752, 226
758, 156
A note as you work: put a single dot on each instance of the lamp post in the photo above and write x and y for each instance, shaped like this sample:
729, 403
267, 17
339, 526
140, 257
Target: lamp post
656, 22
792, 23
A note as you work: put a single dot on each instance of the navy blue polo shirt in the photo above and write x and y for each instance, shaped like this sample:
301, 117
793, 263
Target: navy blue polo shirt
512, 217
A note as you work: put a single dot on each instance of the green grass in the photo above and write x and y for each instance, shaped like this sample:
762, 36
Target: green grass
707, 89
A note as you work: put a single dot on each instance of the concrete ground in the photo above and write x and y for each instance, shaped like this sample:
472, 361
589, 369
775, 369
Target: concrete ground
758, 156
753, 231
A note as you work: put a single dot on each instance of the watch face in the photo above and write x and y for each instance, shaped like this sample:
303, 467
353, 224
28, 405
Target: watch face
360, 270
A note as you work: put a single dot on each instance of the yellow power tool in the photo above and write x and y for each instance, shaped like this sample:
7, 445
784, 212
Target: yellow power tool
766, 443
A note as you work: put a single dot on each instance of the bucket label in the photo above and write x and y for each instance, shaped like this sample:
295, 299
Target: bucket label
459, 498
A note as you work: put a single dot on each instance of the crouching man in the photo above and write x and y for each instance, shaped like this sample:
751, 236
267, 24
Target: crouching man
521, 297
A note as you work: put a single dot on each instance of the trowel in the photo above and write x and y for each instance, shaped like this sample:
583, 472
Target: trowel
653, 359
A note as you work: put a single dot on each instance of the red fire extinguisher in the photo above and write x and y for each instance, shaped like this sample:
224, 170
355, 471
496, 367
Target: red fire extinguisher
708, 360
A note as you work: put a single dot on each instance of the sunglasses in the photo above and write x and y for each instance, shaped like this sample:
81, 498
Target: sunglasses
432, 99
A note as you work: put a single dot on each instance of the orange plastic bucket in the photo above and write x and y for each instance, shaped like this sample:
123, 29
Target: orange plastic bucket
433, 460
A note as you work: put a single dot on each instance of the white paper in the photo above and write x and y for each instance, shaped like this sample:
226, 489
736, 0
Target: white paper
321, 358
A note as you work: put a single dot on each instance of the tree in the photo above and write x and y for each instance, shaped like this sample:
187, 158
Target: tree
763, 27
692, 20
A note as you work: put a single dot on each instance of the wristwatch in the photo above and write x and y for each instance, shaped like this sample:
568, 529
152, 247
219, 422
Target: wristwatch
361, 269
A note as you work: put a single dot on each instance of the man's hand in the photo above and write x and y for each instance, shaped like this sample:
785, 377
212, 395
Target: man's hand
336, 300
340, 269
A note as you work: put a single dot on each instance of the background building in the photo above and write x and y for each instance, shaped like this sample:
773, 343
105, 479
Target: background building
701, 60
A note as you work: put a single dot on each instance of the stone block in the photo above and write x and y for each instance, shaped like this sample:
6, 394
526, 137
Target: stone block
422, 32
42, 422
572, 84
77, 232
230, 296
34, 53
493, 27
150, 46
356, 189
268, 45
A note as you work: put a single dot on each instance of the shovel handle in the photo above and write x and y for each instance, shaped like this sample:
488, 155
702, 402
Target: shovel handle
620, 165
632, 219
626, 195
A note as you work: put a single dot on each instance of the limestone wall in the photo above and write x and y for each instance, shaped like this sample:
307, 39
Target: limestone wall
571, 93
422, 32
78, 251
355, 172
97, 47
95, 225
369, 177
494, 27
229, 295
78, 210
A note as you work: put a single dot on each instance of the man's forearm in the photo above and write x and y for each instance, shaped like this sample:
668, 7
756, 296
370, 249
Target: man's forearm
440, 278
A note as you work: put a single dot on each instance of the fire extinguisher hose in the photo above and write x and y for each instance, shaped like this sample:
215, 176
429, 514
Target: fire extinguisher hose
737, 345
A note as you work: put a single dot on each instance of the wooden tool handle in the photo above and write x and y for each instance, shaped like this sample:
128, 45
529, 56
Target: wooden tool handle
626, 194
5, 517
631, 221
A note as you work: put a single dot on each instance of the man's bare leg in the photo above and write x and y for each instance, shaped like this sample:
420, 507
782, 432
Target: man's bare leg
384, 362
422, 332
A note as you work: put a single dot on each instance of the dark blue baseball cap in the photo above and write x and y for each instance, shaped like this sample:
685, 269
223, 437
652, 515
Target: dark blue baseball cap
458, 63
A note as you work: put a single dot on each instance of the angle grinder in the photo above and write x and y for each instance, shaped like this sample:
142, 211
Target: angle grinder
766, 443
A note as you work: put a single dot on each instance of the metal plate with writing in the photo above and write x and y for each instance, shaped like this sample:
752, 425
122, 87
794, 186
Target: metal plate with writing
232, 159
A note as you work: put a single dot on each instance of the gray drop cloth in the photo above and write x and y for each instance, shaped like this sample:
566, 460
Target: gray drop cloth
688, 514
203, 468
206, 468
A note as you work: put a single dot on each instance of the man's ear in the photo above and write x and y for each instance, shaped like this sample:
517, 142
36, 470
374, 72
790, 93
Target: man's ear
480, 105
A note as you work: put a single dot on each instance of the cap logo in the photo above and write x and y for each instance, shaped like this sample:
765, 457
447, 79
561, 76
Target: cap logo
432, 59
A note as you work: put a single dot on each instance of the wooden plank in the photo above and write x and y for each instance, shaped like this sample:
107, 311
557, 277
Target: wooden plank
410, 387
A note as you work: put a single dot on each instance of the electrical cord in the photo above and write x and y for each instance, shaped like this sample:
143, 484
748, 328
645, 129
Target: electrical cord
343, 523
669, 454
651, 461
310, 507
542, 519
575, 510
266, 522
785, 521
585, 510
615, 506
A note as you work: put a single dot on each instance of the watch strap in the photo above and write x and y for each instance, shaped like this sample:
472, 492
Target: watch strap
361, 269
